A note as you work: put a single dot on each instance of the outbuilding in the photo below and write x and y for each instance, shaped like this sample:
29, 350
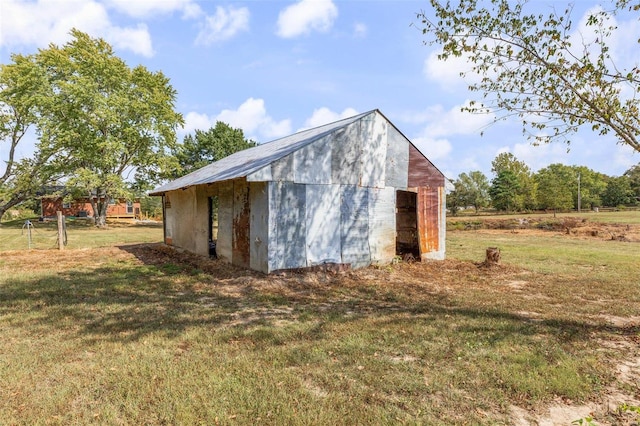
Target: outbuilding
352, 193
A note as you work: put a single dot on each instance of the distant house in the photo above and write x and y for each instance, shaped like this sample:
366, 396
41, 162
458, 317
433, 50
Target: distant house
353, 192
81, 207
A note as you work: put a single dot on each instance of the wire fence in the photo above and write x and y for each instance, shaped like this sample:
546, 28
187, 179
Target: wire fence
31, 236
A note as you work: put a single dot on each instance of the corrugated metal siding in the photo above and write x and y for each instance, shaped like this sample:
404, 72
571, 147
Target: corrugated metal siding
422, 172
291, 225
428, 220
225, 221
354, 226
323, 224
374, 151
382, 224
259, 226
397, 159
345, 155
282, 170
312, 164
241, 220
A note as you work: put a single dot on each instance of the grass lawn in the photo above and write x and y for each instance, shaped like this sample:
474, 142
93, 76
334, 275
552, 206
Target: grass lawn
112, 332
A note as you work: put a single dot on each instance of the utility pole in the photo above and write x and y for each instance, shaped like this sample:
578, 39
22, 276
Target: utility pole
579, 195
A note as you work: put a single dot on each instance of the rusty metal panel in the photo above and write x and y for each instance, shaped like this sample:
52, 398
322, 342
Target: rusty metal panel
422, 172
259, 226
312, 164
323, 224
282, 170
345, 155
428, 220
290, 226
397, 166
241, 220
374, 151
225, 221
382, 224
354, 226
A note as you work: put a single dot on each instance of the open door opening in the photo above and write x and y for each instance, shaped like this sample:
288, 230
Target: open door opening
407, 224
213, 226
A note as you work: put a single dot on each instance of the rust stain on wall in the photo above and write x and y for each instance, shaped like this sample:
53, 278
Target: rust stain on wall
241, 218
428, 220
422, 172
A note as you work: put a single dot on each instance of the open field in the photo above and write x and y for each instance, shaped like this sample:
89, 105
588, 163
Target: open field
113, 332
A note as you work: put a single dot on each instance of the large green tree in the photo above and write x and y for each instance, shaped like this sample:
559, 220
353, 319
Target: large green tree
205, 147
105, 120
504, 191
634, 180
554, 187
540, 67
20, 178
618, 192
473, 189
525, 196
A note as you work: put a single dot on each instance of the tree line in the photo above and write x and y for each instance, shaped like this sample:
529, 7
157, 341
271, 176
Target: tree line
557, 187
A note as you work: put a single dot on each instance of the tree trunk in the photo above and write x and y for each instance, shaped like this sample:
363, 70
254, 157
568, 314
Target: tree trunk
493, 256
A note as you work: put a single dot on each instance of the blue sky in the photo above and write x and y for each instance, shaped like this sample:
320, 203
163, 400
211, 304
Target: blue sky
275, 67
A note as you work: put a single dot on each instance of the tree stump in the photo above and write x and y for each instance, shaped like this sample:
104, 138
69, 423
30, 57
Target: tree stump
493, 256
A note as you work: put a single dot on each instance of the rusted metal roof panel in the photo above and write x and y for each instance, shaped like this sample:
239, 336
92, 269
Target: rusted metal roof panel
422, 172
323, 224
354, 226
244, 163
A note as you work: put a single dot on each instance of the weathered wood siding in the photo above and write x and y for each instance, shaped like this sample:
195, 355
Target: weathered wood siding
225, 221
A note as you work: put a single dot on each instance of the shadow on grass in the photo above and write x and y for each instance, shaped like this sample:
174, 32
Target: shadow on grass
171, 292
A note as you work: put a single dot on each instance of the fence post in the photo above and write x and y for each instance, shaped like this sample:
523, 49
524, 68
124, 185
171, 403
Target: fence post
60, 230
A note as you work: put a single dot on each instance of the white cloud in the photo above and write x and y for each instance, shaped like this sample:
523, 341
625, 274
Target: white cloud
440, 122
324, 115
225, 24
251, 117
48, 21
306, 16
147, 8
433, 149
360, 30
447, 73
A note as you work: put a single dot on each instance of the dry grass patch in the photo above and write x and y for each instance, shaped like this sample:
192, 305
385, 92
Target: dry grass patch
142, 334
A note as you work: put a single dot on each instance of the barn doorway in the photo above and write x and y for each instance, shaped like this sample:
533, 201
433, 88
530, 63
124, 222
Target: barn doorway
213, 226
407, 224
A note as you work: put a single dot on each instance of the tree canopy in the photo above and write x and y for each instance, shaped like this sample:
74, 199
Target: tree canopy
205, 147
98, 121
540, 67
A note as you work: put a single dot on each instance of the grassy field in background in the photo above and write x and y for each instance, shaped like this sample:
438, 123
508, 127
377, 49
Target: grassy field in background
113, 332
80, 233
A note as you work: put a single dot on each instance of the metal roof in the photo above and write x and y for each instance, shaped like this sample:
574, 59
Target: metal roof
245, 162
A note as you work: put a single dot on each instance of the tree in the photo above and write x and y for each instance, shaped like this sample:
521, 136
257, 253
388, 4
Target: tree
554, 188
473, 189
618, 192
209, 146
20, 178
533, 67
525, 197
104, 120
634, 180
504, 191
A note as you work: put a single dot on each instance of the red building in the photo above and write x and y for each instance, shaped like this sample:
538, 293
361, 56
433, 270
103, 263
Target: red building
82, 208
